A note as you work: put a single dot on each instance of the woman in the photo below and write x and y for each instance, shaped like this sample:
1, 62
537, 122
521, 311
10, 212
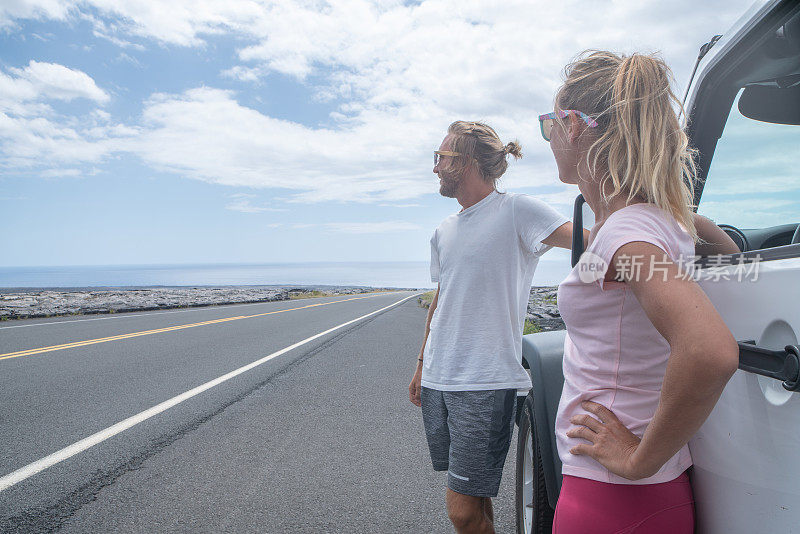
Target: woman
646, 354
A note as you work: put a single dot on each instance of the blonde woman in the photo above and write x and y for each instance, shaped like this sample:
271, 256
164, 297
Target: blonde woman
646, 354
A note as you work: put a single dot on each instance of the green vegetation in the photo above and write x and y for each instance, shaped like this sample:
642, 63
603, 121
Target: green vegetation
530, 327
551, 300
425, 300
294, 295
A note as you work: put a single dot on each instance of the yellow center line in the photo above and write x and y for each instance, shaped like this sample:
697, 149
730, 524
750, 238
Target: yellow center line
30, 352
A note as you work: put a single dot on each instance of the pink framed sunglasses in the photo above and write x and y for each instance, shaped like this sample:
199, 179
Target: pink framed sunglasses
547, 120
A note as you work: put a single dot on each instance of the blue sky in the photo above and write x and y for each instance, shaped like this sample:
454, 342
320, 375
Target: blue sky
192, 131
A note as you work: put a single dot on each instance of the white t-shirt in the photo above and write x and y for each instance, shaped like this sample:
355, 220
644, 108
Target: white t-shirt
484, 258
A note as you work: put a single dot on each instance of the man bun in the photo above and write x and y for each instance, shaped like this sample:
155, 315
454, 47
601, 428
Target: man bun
514, 149
477, 141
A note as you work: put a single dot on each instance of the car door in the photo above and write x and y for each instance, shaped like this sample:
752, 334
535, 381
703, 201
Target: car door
746, 477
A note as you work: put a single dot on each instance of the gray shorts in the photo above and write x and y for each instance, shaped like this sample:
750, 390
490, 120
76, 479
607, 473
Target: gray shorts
469, 433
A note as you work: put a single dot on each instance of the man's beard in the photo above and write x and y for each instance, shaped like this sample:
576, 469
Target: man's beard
448, 185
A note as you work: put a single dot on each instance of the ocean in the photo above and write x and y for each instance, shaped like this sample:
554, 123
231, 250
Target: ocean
410, 274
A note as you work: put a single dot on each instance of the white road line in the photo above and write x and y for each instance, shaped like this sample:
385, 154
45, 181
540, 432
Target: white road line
125, 315
48, 461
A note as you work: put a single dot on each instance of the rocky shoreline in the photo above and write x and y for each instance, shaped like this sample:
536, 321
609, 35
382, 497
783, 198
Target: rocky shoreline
16, 303
542, 308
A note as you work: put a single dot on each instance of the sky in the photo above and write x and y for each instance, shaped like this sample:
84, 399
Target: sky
199, 131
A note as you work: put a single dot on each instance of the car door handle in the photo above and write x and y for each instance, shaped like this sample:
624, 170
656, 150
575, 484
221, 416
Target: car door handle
783, 365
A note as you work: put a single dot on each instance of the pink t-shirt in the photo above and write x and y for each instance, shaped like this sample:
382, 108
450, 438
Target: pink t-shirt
613, 355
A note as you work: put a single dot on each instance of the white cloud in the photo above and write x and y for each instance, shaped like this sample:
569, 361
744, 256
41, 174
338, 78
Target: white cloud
245, 74
38, 142
33, 135
12, 10
60, 173
206, 134
400, 74
108, 31
49, 81
396, 74
129, 59
243, 204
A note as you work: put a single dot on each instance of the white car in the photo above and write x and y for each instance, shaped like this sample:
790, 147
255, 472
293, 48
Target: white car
743, 104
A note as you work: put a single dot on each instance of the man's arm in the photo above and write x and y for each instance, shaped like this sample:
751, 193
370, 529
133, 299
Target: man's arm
562, 237
415, 387
431, 309
718, 242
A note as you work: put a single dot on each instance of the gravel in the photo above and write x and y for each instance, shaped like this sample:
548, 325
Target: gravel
18, 303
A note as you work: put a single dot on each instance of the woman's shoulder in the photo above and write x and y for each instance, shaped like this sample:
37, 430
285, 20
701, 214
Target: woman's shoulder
642, 222
643, 217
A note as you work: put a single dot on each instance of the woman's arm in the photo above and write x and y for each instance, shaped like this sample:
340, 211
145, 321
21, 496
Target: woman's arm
704, 355
718, 242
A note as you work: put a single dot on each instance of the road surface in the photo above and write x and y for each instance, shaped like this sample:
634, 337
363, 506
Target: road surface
200, 420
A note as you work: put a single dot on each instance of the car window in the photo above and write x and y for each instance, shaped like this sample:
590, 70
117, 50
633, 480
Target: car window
754, 178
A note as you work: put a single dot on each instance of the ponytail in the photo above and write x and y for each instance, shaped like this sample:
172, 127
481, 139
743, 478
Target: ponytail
640, 147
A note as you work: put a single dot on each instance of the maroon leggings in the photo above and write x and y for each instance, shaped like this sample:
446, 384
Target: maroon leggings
591, 507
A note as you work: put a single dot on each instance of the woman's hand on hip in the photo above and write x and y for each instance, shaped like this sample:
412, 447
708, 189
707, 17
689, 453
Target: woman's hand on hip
610, 442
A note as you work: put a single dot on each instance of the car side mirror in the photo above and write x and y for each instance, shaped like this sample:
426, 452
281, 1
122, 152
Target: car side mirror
577, 230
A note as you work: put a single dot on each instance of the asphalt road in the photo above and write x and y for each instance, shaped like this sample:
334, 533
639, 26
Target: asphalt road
321, 438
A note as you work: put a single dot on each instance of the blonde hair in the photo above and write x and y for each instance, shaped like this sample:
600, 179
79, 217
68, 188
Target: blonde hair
639, 137
479, 141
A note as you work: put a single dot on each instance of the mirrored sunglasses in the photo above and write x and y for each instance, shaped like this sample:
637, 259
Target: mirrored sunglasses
547, 120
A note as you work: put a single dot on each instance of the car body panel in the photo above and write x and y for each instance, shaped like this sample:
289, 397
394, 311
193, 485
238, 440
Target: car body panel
740, 29
745, 453
544, 353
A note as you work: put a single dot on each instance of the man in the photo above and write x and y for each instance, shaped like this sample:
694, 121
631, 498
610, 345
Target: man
469, 367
